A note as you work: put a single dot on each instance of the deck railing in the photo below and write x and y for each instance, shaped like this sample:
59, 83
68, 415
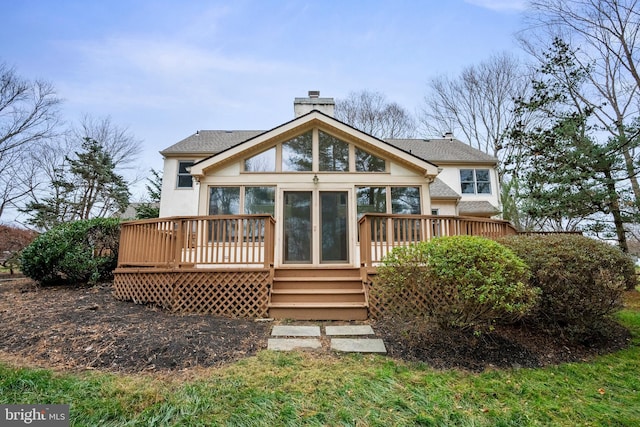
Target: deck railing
198, 241
380, 233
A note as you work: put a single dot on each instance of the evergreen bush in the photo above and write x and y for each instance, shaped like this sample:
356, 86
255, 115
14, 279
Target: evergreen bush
465, 282
582, 280
74, 253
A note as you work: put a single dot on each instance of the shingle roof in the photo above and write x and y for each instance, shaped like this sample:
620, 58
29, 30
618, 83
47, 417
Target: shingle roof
207, 142
440, 190
477, 207
442, 150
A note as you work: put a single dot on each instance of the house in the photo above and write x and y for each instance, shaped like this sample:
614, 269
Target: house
303, 211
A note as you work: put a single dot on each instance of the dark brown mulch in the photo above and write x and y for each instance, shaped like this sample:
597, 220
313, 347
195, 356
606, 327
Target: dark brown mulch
505, 347
86, 328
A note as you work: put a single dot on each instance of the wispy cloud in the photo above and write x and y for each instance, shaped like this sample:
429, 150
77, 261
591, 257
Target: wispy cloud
500, 5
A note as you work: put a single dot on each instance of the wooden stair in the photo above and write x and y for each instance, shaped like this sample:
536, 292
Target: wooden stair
318, 294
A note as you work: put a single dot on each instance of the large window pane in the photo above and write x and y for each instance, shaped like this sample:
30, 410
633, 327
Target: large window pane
333, 154
405, 200
367, 162
263, 162
297, 154
224, 200
260, 200
372, 199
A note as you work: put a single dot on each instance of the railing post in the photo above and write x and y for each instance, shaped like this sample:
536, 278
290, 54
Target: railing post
177, 256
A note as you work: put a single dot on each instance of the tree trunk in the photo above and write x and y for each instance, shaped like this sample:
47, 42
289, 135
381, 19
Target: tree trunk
615, 211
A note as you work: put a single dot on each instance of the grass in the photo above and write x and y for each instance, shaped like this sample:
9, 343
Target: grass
301, 389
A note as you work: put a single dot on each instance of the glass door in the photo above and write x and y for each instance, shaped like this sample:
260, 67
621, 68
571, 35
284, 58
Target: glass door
297, 222
334, 233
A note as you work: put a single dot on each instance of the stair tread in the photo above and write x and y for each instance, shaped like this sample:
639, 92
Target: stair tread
316, 279
317, 291
317, 304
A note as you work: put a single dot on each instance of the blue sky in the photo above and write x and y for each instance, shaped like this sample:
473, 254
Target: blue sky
167, 68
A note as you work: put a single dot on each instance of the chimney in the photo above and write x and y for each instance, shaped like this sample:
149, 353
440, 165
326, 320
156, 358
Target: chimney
302, 106
448, 135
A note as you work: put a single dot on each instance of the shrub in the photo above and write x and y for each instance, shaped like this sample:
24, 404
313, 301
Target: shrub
73, 253
582, 280
463, 282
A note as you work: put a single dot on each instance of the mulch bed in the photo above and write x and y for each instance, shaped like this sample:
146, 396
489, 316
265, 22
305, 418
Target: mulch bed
86, 328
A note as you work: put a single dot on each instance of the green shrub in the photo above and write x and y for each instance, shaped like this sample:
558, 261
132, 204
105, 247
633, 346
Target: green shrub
582, 280
463, 282
74, 253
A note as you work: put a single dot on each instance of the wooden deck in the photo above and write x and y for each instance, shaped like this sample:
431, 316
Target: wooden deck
224, 265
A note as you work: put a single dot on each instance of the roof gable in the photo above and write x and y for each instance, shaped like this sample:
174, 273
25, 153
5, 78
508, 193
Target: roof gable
299, 125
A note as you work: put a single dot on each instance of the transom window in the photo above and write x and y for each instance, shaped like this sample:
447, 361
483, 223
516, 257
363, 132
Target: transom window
185, 180
333, 154
262, 162
475, 181
297, 154
315, 151
367, 162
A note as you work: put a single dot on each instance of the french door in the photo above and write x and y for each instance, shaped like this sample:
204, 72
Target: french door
315, 227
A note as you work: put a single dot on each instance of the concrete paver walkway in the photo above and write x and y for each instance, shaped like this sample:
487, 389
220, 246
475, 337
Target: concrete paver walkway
291, 338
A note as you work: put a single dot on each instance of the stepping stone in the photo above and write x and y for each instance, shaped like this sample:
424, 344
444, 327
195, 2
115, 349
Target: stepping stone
358, 345
349, 330
288, 344
295, 331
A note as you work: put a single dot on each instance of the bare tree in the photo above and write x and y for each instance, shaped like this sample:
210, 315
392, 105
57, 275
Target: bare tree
28, 116
478, 103
607, 33
117, 141
370, 112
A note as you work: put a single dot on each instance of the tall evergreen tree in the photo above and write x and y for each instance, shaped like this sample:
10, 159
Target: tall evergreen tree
86, 186
570, 175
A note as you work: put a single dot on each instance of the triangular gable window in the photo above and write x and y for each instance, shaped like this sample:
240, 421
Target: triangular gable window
263, 162
367, 162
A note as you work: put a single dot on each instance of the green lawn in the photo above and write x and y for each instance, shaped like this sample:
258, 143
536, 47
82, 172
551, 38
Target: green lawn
280, 389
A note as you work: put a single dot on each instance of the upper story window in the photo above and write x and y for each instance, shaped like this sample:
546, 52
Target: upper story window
297, 154
262, 162
367, 162
185, 180
475, 181
333, 154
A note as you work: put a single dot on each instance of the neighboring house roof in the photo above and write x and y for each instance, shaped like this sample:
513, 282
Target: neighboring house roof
439, 190
446, 150
477, 208
132, 210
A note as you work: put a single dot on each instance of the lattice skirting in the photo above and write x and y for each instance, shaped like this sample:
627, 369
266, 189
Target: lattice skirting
221, 293
408, 302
